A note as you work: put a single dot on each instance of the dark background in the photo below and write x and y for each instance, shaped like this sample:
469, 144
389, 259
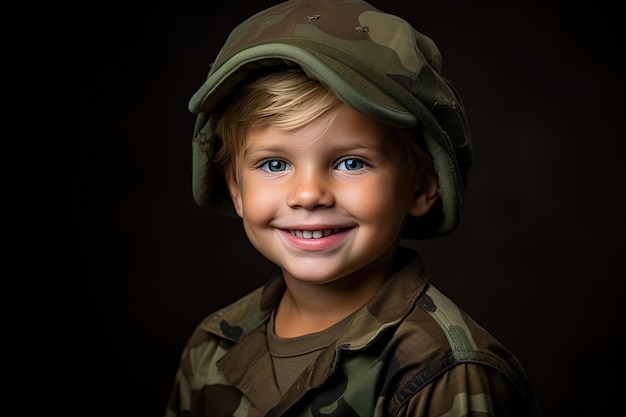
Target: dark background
126, 264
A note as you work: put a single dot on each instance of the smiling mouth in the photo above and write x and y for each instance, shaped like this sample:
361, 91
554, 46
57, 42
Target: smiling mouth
313, 234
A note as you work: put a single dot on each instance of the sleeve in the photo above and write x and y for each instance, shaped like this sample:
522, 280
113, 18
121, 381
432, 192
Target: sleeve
180, 392
195, 372
471, 390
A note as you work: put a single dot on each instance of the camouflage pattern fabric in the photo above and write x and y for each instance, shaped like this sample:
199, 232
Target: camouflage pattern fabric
409, 352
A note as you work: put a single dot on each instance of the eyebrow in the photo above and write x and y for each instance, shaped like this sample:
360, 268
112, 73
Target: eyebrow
351, 145
273, 148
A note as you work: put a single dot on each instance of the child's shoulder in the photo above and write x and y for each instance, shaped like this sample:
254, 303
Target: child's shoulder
444, 335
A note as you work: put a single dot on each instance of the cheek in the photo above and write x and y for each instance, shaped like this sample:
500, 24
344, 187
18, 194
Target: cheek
380, 198
258, 202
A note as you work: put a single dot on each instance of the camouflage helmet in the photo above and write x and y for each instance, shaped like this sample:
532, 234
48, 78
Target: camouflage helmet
374, 61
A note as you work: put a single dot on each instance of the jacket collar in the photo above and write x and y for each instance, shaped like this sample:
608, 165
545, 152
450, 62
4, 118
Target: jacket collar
390, 305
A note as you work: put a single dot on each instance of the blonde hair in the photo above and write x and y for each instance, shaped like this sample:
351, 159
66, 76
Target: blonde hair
289, 99
285, 99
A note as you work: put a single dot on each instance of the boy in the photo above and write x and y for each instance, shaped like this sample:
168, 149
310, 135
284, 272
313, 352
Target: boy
327, 127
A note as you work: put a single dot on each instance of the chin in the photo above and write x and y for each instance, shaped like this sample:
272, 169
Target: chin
313, 274
311, 278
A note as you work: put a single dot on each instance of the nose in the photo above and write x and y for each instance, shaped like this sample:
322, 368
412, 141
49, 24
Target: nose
310, 190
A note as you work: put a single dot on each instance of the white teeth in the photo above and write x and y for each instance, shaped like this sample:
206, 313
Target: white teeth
313, 234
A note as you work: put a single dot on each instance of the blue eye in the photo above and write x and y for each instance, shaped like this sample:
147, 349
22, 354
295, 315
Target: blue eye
274, 165
351, 164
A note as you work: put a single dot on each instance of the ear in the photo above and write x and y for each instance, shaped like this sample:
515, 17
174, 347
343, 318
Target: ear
425, 195
235, 192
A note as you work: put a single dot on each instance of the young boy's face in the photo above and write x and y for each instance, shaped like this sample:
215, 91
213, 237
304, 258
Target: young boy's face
329, 199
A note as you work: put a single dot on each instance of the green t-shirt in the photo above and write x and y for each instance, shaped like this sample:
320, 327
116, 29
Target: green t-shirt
291, 356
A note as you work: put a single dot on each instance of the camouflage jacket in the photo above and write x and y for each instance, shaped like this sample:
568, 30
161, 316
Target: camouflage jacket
409, 352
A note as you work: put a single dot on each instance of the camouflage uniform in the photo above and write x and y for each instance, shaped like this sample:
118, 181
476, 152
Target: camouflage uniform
409, 352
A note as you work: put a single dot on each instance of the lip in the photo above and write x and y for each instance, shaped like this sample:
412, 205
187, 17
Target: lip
315, 244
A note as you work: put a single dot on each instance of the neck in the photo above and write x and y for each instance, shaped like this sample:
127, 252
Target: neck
310, 307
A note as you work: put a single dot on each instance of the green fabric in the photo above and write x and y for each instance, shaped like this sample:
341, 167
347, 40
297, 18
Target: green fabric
291, 356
